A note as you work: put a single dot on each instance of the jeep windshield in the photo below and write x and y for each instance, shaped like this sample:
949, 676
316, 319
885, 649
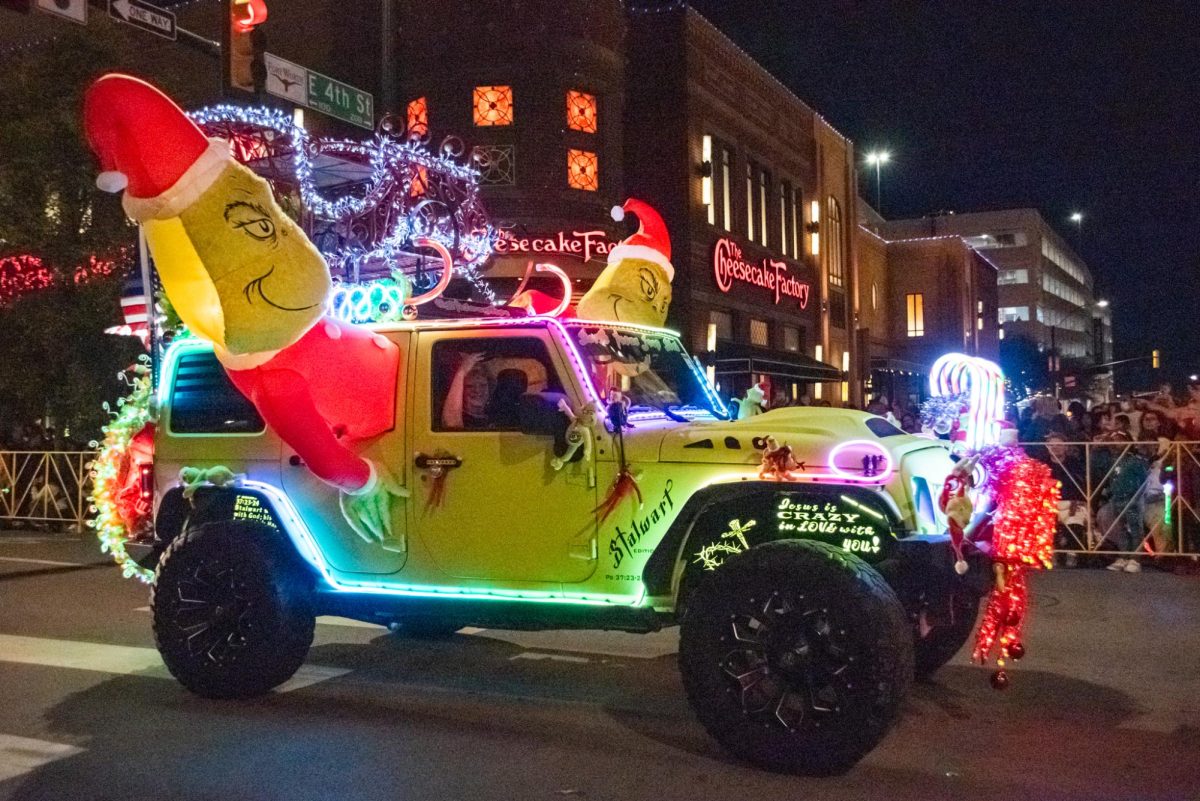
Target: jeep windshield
650, 368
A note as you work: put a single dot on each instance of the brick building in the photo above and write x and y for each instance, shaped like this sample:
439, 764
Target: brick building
921, 297
1046, 292
574, 106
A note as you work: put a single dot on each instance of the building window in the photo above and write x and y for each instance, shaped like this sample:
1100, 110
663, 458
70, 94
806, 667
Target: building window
581, 111
497, 164
583, 170
916, 315
1012, 277
1014, 314
725, 166
760, 333
417, 119
764, 192
797, 234
493, 105
720, 328
786, 217
837, 269
750, 200
791, 339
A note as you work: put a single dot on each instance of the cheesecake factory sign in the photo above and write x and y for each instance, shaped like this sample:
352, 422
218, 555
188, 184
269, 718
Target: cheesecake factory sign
579, 244
730, 267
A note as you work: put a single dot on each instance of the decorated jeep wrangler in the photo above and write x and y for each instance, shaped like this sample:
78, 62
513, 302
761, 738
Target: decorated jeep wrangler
519, 465
802, 589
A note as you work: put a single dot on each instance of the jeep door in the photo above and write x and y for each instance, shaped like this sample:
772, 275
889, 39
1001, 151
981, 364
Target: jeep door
318, 502
486, 502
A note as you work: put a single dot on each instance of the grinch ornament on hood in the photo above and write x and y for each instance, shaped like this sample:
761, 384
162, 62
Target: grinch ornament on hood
242, 275
635, 287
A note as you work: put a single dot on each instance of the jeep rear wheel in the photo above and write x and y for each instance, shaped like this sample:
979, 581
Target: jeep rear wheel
796, 656
231, 610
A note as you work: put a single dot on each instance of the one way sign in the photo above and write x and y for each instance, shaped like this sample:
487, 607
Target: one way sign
141, 14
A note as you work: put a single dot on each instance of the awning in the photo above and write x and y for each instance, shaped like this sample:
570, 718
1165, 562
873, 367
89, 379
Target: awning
738, 359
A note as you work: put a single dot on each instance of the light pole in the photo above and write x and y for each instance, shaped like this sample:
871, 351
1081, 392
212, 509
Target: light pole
1077, 218
878, 158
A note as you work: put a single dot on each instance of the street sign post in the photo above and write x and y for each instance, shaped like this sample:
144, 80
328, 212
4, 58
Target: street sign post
286, 80
74, 10
141, 14
341, 100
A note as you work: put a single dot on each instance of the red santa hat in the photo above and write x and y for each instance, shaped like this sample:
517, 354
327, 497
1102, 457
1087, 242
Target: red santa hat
650, 242
148, 147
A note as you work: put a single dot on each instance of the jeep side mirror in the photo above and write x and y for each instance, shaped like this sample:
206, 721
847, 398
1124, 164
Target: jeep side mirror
618, 415
538, 414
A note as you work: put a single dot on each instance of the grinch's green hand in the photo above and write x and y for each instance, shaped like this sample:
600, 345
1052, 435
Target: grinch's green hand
369, 510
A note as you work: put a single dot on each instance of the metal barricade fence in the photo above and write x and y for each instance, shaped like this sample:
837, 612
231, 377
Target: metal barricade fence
1126, 498
1118, 498
45, 488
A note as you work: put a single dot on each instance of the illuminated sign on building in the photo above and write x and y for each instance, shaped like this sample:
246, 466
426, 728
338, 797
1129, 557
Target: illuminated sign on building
580, 244
729, 266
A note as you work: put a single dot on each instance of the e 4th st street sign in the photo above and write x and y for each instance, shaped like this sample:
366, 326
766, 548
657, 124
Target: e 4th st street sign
141, 14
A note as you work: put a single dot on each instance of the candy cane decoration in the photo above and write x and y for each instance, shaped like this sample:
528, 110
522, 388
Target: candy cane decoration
983, 384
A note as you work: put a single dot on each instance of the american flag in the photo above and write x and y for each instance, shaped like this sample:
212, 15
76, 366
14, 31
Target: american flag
135, 308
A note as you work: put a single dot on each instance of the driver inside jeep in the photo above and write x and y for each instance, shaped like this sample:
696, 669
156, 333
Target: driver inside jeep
242, 275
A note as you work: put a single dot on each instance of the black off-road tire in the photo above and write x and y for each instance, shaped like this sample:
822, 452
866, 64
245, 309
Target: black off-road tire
796, 656
232, 614
940, 644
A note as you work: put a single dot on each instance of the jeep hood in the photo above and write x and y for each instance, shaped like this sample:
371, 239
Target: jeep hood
812, 433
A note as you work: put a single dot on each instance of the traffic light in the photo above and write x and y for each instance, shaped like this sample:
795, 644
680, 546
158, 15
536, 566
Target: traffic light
245, 45
1154, 362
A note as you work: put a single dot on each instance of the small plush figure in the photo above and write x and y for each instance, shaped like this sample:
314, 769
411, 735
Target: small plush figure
635, 287
778, 462
242, 275
754, 402
578, 433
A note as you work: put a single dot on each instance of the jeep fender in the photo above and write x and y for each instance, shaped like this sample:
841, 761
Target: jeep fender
213, 504
724, 519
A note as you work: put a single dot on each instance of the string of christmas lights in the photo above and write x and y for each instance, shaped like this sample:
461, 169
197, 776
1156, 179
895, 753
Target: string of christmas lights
131, 415
399, 169
25, 272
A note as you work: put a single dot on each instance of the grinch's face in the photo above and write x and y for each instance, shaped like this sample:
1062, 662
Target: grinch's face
243, 274
630, 291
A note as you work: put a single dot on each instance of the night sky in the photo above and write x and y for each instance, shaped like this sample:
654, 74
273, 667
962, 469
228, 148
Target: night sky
1059, 106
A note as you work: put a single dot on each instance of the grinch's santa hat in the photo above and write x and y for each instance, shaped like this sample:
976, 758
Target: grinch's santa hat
148, 147
650, 243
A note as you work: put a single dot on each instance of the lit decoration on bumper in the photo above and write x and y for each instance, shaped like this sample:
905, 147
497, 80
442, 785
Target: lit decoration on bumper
132, 415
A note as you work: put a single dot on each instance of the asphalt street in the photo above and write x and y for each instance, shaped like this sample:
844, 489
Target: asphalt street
1105, 706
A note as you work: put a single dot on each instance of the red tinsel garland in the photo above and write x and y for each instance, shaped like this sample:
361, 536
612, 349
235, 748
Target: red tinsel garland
1026, 500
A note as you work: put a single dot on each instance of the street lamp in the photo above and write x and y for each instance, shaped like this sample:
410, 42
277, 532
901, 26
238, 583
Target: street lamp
1102, 304
877, 158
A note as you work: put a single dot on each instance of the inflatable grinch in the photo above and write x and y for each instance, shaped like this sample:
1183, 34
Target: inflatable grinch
635, 287
242, 275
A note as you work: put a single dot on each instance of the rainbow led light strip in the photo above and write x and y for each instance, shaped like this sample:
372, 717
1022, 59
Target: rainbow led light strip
983, 383
306, 545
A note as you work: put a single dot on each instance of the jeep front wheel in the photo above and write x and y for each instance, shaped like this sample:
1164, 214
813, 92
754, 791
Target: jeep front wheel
231, 610
796, 655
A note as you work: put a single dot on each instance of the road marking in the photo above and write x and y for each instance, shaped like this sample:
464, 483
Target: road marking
123, 660
50, 562
20, 755
552, 657
331, 620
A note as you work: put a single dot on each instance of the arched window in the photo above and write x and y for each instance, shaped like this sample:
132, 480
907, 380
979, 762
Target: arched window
837, 267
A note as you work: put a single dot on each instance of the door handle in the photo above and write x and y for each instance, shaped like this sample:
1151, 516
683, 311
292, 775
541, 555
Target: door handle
437, 464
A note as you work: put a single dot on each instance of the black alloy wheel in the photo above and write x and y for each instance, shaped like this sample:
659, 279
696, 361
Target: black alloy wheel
231, 612
796, 656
